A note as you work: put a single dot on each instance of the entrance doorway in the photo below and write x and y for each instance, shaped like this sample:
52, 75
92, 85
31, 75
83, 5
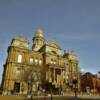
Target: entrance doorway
49, 87
17, 87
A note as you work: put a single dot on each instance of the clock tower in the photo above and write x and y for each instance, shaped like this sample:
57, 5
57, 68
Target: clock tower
38, 40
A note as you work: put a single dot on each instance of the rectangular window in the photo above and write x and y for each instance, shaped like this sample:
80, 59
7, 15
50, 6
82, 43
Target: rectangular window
19, 58
18, 71
40, 62
31, 60
54, 62
36, 61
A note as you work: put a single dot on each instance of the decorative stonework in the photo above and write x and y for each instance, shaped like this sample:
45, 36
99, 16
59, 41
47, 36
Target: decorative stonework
44, 59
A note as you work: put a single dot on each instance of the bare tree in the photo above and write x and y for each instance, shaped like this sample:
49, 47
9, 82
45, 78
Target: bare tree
30, 77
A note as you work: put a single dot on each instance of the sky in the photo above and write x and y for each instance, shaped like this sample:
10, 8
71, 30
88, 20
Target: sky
75, 24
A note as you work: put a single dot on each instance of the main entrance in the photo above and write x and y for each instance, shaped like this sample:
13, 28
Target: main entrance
50, 88
17, 87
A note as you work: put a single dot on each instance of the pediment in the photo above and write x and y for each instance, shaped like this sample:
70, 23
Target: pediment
55, 45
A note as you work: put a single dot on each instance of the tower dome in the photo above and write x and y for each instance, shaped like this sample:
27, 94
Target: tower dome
38, 39
39, 33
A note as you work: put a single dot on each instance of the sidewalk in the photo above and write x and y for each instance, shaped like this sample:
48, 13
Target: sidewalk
89, 96
18, 97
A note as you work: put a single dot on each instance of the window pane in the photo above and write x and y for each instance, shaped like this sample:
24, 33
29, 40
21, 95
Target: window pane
18, 71
19, 58
36, 61
51, 62
54, 62
40, 62
31, 60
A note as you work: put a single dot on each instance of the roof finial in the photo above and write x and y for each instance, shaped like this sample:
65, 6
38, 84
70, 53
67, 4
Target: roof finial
39, 32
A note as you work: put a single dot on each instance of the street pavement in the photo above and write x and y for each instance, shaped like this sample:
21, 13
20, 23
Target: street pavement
67, 98
16, 97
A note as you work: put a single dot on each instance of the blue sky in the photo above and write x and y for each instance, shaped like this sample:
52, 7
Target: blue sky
74, 23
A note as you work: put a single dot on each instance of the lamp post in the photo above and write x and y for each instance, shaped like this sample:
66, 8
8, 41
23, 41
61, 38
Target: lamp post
51, 93
75, 86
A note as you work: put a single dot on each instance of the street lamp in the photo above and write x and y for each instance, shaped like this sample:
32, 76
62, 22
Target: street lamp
75, 86
51, 93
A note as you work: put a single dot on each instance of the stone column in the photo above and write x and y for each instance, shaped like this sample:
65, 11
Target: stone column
50, 78
54, 75
47, 75
12, 54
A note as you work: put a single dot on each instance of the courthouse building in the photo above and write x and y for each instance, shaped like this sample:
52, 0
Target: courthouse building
49, 66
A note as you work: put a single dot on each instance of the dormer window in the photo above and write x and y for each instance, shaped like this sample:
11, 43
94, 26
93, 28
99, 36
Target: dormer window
19, 58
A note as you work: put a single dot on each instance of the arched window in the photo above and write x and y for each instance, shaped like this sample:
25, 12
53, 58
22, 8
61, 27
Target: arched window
19, 58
